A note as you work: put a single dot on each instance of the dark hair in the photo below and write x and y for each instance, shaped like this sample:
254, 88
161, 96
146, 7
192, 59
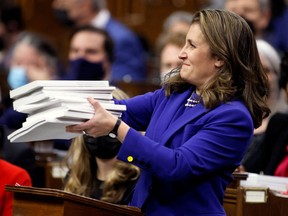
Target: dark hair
284, 71
11, 16
277, 7
108, 42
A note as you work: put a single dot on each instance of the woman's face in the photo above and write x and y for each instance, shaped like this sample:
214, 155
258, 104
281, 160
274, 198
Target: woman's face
35, 64
198, 64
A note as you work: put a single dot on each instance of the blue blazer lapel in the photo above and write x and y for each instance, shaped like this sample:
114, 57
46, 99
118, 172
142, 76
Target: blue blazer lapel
192, 114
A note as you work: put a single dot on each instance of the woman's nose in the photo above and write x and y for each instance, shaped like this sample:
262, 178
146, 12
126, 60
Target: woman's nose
182, 54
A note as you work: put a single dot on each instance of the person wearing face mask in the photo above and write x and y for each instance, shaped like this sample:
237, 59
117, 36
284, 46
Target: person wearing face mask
32, 58
17, 77
91, 54
268, 18
100, 175
130, 63
61, 14
90, 57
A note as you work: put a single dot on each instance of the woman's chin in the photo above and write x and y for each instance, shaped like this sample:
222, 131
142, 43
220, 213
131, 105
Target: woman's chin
182, 74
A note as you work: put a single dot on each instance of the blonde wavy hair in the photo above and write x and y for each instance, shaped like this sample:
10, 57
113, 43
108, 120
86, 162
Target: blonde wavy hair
80, 179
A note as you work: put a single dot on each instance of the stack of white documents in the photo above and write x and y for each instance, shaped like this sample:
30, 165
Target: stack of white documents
51, 105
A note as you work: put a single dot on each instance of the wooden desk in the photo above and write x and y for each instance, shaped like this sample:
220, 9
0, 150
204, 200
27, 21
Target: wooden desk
45, 164
53, 202
235, 204
233, 197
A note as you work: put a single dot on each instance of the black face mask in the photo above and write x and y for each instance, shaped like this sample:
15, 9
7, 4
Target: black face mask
103, 147
81, 69
62, 16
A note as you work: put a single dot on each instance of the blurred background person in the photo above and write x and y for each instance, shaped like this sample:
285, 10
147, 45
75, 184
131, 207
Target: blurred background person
177, 21
270, 59
271, 156
168, 47
279, 131
90, 57
257, 12
91, 54
214, 4
11, 175
264, 20
11, 25
94, 170
32, 58
20, 154
130, 58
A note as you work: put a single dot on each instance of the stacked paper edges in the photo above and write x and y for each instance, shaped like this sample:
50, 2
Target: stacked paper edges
51, 105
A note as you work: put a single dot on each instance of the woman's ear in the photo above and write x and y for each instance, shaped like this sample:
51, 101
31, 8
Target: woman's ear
219, 62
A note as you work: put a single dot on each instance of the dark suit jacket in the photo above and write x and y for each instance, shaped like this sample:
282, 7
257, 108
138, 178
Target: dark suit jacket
187, 155
269, 150
22, 155
130, 58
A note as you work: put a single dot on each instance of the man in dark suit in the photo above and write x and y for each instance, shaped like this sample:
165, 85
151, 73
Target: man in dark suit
130, 63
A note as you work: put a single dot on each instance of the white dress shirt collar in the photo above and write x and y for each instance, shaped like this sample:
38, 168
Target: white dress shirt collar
101, 19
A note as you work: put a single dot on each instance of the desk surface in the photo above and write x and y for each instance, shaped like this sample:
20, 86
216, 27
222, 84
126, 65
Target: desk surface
40, 201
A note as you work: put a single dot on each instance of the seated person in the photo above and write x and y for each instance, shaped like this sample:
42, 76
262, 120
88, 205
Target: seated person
10, 175
32, 58
177, 22
22, 155
130, 58
91, 54
270, 59
274, 152
168, 47
94, 170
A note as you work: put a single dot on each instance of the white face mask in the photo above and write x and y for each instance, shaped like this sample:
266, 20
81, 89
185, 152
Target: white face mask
17, 77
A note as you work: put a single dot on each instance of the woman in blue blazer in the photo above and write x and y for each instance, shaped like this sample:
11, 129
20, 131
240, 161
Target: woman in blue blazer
198, 125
